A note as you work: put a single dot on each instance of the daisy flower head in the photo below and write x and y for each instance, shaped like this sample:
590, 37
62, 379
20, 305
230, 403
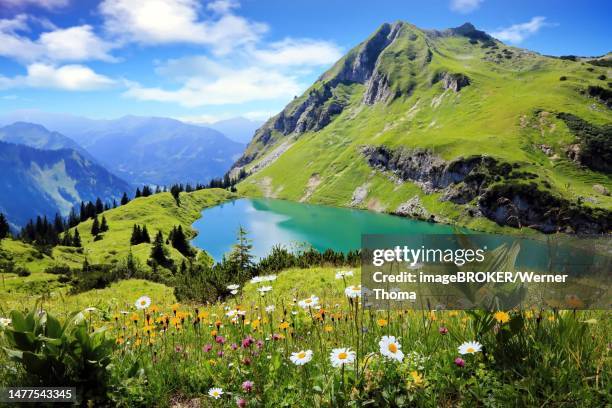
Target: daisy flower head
341, 356
270, 308
353, 291
215, 392
391, 348
301, 357
268, 278
343, 274
264, 289
256, 279
233, 287
312, 301
4, 322
234, 292
143, 302
470, 347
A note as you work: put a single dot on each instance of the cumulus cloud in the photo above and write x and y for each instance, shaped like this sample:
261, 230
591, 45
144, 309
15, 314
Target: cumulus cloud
67, 77
299, 52
233, 87
183, 21
465, 6
516, 33
78, 43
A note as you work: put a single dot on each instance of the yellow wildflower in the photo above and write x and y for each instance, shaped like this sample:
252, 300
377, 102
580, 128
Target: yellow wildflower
382, 322
502, 317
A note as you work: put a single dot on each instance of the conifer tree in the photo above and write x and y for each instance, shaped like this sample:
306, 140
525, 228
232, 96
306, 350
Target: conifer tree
138, 194
99, 206
124, 199
240, 256
179, 241
159, 252
145, 235
95, 226
76, 240
103, 225
4, 227
136, 235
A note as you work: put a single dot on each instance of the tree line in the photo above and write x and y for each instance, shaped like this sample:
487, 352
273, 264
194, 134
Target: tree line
44, 232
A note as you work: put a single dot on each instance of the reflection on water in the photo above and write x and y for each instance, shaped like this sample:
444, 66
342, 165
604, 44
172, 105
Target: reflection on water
271, 222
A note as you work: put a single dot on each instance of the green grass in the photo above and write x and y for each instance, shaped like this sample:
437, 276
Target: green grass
497, 115
158, 212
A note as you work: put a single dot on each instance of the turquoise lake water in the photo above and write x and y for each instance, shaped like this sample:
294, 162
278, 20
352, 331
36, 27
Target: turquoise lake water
270, 222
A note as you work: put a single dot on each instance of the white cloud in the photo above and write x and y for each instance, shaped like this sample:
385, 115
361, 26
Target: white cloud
301, 52
48, 4
77, 43
222, 6
171, 21
518, 32
233, 87
465, 6
67, 77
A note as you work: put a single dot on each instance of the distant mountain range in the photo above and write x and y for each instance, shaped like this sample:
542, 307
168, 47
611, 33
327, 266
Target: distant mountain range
238, 129
142, 150
44, 182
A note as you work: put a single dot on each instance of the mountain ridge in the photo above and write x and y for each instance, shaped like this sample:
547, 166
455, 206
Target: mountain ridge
459, 96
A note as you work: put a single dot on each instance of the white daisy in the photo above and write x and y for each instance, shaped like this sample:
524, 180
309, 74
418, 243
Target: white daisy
390, 348
341, 356
233, 287
4, 322
234, 292
143, 302
90, 309
215, 393
256, 279
270, 308
310, 302
269, 278
264, 289
470, 347
353, 291
343, 274
232, 313
301, 357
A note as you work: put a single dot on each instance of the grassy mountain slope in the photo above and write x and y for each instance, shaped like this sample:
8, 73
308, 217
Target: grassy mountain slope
454, 94
157, 212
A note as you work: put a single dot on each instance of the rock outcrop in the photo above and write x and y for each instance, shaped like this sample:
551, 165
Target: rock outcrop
500, 191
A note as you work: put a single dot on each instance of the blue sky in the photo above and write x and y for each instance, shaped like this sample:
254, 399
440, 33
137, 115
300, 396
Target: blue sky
208, 60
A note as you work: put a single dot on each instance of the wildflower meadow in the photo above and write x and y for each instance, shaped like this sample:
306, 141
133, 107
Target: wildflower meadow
303, 337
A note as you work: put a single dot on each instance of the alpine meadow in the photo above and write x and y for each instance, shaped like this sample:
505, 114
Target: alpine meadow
113, 288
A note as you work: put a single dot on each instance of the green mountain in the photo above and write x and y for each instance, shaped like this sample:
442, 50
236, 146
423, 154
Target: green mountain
450, 125
45, 182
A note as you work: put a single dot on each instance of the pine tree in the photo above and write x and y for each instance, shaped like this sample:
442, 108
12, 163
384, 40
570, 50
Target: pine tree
103, 225
124, 199
159, 253
76, 240
95, 226
58, 224
175, 190
99, 206
241, 256
67, 239
136, 235
179, 241
145, 235
146, 191
4, 227
138, 194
